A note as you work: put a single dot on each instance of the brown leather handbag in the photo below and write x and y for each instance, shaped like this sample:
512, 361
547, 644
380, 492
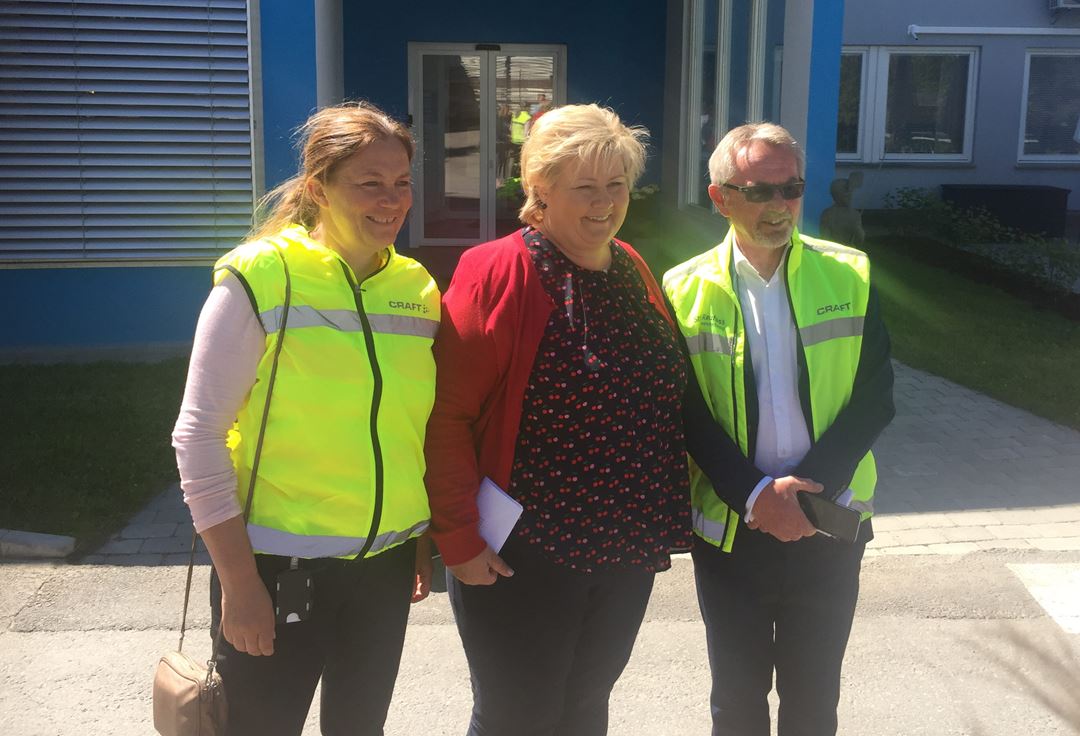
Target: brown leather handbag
189, 696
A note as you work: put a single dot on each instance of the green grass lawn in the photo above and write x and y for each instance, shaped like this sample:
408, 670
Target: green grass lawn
979, 336
85, 446
939, 321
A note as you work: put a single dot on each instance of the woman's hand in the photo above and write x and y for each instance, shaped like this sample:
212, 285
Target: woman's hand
247, 618
247, 614
424, 567
484, 569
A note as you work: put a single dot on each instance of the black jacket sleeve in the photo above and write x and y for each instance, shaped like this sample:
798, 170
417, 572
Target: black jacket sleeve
733, 477
833, 458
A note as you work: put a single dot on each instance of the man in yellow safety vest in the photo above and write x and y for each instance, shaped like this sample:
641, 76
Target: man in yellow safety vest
786, 341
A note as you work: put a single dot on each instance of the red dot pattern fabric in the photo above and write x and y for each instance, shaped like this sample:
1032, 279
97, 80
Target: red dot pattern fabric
600, 465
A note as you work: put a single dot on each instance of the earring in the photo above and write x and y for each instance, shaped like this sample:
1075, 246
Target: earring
541, 204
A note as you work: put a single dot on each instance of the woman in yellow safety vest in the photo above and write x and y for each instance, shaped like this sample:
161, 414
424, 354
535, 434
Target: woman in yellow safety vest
300, 439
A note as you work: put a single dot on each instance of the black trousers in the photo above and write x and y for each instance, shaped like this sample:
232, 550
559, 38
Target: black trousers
353, 641
787, 606
546, 646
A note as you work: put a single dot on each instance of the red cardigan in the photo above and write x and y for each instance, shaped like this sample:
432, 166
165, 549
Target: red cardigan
493, 318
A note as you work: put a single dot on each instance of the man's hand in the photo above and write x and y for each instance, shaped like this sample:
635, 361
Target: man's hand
424, 567
484, 569
247, 618
777, 512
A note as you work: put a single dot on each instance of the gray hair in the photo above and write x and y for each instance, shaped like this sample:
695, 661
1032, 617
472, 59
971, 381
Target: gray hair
722, 162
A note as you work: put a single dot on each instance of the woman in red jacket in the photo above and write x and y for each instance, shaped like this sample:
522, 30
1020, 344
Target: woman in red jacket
560, 379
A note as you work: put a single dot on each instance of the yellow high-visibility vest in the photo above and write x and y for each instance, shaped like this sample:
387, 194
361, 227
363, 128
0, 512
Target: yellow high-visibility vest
517, 126
341, 471
829, 287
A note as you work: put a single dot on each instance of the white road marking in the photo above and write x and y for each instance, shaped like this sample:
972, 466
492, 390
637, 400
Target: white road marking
1056, 587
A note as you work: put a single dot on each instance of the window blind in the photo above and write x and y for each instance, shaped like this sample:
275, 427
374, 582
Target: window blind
125, 129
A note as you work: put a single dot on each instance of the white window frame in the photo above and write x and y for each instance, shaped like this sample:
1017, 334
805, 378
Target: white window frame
693, 36
1022, 157
881, 101
866, 101
875, 98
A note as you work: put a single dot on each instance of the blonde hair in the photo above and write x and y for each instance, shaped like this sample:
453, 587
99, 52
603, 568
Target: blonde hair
722, 162
330, 136
570, 135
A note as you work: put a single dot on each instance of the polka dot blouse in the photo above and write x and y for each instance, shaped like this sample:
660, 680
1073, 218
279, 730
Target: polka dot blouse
600, 464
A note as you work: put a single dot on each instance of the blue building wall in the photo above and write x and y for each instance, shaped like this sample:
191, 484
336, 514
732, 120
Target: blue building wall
288, 81
615, 52
98, 307
999, 92
821, 112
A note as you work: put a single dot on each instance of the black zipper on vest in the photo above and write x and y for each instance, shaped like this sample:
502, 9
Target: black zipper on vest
376, 400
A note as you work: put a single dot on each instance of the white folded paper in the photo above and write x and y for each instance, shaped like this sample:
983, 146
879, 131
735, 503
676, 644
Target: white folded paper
498, 513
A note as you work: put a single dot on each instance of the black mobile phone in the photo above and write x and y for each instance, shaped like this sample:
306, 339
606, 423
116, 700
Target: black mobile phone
830, 518
293, 597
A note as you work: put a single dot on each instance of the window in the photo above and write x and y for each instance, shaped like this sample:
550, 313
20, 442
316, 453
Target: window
728, 81
899, 104
1051, 107
848, 125
125, 131
926, 104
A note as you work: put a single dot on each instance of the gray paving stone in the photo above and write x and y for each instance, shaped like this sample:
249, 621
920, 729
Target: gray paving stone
166, 545
916, 537
883, 539
1039, 451
1000, 453
176, 558
173, 516
974, 519
952, 548
993, 544
1055, 530
146, 516
967, 534
1058, 544
1012, 531
148, 531
120, 546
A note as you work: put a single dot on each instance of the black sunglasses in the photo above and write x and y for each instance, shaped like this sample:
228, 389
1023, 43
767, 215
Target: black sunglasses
765, 192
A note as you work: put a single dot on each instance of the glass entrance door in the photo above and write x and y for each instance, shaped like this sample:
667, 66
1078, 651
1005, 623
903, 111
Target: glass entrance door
472, 108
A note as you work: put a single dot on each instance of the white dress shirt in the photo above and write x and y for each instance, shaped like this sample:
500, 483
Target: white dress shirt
782, 437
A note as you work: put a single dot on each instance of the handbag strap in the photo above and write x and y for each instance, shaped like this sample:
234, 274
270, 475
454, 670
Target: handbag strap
254, 468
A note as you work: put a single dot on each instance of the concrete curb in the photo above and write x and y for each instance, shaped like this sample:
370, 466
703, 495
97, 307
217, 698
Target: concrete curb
31, 544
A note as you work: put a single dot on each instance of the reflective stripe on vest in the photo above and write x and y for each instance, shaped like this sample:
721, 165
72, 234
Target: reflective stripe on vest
706, 527
831, 330
347, 320
863, 507
822, 279
707, 342
311, 546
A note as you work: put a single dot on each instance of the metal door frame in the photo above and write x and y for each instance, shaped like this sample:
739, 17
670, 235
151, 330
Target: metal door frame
488, 53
